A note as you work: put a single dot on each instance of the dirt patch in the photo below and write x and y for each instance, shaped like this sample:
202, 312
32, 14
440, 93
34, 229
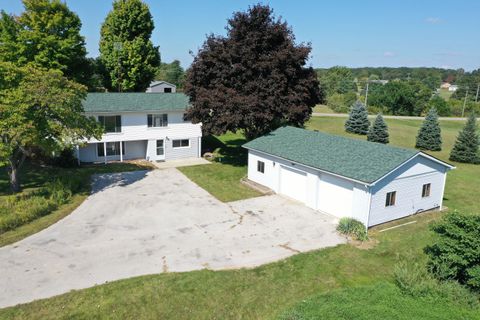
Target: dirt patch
363, 245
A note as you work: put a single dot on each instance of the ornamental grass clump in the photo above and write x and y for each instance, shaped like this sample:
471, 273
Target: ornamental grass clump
353, 228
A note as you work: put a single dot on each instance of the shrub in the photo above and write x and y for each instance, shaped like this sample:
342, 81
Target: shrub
456, 253
357, 121
352, 227
429, 136
66, 159
341, 102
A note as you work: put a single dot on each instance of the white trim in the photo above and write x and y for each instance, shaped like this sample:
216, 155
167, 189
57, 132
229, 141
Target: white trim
121, 151
449, 166
443, 188
93, 113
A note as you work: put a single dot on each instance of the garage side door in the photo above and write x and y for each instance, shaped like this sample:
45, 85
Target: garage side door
293, 183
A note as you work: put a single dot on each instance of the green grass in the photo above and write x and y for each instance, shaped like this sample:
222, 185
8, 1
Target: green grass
269, 291
35, 177
388, 302
222, 177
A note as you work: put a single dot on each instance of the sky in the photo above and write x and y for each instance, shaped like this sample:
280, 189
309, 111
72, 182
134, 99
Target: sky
353, 33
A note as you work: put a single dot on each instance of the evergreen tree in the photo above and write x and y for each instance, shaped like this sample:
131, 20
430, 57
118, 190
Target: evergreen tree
378, 132
357, 121
467, 144
429, 136
126, 50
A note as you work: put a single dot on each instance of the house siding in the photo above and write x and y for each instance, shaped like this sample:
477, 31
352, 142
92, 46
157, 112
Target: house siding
183, 152
407, 181
133, 150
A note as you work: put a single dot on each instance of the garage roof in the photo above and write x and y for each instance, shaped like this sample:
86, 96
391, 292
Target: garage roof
135, 101
351, 158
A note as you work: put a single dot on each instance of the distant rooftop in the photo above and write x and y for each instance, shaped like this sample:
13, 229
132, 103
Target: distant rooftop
135, 101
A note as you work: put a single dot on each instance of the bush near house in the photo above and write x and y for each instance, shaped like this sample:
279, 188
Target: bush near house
456, 253
352, 227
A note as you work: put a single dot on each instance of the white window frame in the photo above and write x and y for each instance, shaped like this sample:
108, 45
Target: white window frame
262, 165
388, 201
154, 115
428, 187
181, 147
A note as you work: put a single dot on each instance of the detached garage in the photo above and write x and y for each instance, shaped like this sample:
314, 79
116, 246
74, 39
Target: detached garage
371, 182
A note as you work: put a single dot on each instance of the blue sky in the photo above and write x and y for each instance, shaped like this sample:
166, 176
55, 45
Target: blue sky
353, 33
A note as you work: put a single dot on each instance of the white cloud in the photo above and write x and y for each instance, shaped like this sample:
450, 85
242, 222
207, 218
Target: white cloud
433, 20
388, 54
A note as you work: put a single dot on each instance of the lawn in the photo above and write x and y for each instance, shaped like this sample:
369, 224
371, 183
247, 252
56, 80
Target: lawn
267, 292
34, 178
321, 108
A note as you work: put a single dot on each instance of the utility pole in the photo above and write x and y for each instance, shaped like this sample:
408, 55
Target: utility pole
464, 102
478, 89
366, 96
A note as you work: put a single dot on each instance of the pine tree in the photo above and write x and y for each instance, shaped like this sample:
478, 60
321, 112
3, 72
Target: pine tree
429, 136
358, 119
378, 132
467, 145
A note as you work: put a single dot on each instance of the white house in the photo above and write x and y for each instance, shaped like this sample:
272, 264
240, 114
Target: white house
140, 126
161, 87
371, 182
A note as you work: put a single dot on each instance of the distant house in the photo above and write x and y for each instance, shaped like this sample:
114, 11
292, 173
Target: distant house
445, 85
371, 182
382, 82
140, 126
161, 87
453, 88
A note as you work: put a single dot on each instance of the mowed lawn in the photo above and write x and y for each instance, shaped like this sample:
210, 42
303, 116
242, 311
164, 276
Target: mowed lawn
269, 291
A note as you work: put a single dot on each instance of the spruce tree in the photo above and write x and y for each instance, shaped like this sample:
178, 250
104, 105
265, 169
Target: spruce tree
378, 132
467, 144
357, 121
429, 136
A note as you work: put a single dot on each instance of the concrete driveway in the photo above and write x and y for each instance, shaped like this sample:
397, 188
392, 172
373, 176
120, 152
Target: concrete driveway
141, 223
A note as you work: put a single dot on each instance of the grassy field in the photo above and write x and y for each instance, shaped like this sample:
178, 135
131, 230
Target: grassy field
269, 291
321, 108
34, 178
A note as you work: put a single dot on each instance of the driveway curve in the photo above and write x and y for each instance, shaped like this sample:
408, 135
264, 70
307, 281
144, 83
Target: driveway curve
140, 223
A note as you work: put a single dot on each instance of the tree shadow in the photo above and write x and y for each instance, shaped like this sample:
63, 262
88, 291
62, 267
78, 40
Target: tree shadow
104, 181
229, 151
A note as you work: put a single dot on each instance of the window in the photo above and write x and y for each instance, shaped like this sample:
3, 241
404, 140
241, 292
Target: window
111, 123
157, 120
261, 166
113, 149
426, 190
160, 148
167, 90
390, 201
181, 143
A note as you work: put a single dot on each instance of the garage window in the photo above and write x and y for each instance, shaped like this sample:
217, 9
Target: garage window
426, 190
390, 200
261, 166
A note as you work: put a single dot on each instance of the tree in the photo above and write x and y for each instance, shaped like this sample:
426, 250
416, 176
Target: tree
254, 79
378, 132
40, 109
467, 144
338, 80
429, 136
341, 102
46, 35
126, 51
357, 121
440, 105
171, 72
456, 253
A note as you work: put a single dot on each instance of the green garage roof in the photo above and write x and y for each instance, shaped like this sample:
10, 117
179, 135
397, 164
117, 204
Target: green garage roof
355, 159
135, 101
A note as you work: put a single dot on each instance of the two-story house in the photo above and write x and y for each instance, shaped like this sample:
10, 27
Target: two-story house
148, 126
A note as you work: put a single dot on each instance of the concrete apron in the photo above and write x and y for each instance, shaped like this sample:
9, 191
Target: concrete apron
140, 223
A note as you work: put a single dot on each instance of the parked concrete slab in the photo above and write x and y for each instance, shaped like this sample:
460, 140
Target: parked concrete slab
139, 223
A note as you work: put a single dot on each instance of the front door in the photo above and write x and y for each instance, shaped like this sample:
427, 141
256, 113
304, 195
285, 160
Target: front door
160, 150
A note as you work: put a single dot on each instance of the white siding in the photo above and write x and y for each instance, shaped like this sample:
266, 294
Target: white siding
183, 152
161, 88
335, 195
407, 181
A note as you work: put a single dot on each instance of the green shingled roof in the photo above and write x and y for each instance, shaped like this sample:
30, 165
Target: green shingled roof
355, 159
135, 101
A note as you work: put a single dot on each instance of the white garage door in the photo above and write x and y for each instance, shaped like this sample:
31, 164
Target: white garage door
293, 183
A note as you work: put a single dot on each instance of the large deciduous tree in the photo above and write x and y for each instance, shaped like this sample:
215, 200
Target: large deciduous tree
45, 35
254, 79
129, 56
429, 135
39, 109
466, 148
